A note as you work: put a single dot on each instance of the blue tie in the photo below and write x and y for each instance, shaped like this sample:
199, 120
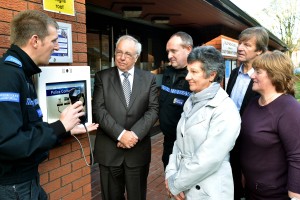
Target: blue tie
126, 87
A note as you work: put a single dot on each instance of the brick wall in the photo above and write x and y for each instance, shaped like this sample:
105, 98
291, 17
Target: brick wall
64, 175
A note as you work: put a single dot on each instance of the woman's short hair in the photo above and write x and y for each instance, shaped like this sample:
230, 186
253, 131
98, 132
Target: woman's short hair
279, 68
211, 59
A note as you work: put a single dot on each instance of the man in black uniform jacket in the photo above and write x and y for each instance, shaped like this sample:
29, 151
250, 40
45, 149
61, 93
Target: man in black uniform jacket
174, 90
24, 138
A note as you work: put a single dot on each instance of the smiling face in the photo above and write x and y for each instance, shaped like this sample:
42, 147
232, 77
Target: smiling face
125, 55
246, 51
261, 81
197, 77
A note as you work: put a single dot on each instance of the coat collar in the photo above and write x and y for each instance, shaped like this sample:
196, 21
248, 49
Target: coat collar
29, 67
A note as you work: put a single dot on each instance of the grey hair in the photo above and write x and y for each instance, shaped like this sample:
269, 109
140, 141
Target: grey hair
211, 59
138, 45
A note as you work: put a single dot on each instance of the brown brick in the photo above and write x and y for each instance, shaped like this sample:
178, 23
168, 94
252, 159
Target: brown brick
61, 192
71, 177
4, 28
78, 27
49, 165
82, 57
81, 38
87, 188
81, 1
60, 172
35, 6
86, 171
5, 41
44, 178
75, 145
52, 186
2, 51
87, 196
16, 5
75, 155
65, 18
78, 164
74, 195
6, 15
75, 58
81, 182
79, 64
81, 18
59, 151
79, 7
79, 47
37, 1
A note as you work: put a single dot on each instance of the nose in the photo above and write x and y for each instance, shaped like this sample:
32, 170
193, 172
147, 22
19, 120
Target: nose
187, 76
170, 54
56, 46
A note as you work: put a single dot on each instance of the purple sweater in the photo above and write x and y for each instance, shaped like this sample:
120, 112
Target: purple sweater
270, 148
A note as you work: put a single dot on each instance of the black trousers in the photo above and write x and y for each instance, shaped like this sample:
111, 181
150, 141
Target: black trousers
239, 191
168, 148
114, 180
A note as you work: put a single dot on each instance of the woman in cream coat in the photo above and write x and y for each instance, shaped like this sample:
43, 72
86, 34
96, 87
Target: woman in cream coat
199, 165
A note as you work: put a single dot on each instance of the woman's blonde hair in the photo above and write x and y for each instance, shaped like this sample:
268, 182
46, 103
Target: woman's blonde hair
280, 70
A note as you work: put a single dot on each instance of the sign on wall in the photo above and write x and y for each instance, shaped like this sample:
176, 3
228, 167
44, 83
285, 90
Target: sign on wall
64, 54
60, 6
229, 48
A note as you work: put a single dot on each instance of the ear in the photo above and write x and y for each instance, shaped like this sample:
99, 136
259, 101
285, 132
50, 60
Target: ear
259, 53
212, 76
34, 41
189, 48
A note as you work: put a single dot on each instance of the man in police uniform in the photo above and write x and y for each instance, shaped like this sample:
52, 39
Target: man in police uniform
24, 138
174, 90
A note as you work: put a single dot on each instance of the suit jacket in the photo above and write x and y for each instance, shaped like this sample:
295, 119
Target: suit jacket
113, 116
234, 154
249, 93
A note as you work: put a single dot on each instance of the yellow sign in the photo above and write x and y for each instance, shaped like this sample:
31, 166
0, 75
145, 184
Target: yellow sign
60, 6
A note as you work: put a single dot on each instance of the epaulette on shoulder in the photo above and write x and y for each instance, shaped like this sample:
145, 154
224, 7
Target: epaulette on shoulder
13, 61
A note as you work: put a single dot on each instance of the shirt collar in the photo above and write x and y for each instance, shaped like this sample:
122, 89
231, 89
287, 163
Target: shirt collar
250, 72
131, 72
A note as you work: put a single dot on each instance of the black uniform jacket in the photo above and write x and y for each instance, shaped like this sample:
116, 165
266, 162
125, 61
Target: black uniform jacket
24, 138
173, 94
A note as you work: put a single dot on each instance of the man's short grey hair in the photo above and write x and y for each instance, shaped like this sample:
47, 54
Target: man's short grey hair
138, 45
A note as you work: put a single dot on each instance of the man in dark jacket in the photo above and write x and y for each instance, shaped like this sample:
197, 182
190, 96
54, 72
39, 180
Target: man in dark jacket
252, 42
24, 138
174, 90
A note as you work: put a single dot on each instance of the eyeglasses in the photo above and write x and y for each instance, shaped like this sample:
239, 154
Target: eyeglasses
126, 54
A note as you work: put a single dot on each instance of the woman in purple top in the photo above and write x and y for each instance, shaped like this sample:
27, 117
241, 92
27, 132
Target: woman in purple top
270, 132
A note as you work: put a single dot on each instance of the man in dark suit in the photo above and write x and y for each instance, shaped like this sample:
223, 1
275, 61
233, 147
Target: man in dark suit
123, 145
252, 42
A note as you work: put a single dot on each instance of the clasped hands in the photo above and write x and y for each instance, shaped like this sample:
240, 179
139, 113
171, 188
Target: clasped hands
179, 196
128, 140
